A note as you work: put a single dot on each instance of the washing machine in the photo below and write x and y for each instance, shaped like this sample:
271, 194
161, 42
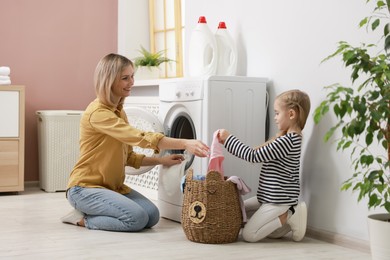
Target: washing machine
194, 108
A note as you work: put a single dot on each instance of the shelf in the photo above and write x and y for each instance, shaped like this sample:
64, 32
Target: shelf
147, 83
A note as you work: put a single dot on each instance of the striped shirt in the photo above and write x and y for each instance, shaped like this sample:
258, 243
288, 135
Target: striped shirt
279, 176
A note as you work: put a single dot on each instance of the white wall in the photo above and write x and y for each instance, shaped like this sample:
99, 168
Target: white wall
133, 27
286, 41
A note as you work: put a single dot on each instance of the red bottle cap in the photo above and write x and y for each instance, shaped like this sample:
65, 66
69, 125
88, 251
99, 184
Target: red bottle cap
202, 19
222, 25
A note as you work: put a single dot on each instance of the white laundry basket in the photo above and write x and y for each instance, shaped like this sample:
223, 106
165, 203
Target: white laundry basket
58, 147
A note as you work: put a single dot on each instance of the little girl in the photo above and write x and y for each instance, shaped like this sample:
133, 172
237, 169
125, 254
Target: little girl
276, 203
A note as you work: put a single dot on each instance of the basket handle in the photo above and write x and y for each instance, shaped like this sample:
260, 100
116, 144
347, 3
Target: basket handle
189, 175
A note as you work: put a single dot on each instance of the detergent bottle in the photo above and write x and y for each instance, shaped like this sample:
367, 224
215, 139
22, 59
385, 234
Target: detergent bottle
227, 52
202, 53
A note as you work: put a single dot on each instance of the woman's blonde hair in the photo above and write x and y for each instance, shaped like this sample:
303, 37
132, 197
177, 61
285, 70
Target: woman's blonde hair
107, 73
297, 100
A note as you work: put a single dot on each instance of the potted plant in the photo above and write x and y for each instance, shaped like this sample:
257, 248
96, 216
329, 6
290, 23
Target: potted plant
147, 65
363, 120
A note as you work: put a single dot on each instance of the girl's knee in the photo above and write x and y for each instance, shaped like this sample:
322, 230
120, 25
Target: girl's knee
249, 236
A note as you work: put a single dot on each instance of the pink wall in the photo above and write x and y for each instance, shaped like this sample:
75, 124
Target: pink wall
52, 47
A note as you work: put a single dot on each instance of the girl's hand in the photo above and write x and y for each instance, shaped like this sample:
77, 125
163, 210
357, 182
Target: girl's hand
223, 134
197, 148
171, 159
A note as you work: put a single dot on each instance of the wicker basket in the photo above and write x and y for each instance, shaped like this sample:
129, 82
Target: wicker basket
211, 211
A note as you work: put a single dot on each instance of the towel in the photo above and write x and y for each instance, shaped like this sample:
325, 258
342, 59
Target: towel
242, 189
3, 78
5, 71
5, 82
171, 177
216, 155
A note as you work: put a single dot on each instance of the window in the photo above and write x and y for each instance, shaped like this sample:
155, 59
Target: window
167, 34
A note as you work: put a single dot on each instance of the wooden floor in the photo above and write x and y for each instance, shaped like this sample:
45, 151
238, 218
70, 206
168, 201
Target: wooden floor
30, 229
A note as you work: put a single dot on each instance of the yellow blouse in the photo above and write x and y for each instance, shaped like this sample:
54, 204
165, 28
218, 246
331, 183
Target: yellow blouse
106, 147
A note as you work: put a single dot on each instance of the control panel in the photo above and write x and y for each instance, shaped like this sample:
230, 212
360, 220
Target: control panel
181, 91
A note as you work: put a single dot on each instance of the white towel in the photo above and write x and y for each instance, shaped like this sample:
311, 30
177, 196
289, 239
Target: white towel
5, 71
170, 180
3, 78
5, 82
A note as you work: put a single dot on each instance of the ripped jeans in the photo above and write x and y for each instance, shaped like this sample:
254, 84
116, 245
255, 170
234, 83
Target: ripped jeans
108, 210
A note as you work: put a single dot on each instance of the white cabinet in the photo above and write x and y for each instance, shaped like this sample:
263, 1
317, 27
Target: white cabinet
12, 115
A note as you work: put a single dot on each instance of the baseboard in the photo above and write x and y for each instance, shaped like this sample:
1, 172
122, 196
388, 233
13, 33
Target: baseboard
338, 239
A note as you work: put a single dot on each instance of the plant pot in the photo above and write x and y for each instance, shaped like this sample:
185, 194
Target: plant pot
147, 72
379, 231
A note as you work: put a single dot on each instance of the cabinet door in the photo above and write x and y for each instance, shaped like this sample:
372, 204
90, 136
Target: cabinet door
9, 113
9, 163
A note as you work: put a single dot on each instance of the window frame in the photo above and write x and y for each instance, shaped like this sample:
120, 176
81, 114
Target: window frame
178, 32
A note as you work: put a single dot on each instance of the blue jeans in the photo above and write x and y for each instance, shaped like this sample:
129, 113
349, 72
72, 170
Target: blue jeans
108, 210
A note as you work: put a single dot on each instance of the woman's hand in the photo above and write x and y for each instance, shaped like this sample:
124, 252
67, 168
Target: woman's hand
197, 148
223, 134
171, 159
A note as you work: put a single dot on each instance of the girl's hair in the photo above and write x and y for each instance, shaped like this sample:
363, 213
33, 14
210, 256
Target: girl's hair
298, 101
107, 73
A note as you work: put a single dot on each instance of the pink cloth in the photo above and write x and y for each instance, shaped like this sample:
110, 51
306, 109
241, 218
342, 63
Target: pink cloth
216, 155
242, 190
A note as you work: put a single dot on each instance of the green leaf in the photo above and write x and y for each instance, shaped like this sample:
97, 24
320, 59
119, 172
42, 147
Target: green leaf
369, 138
387, 206
363, 22
366, 160
320, 111
346, 186
375, 24
373, 200
347, 144
387, 42
373, 175
386, 30
330, 133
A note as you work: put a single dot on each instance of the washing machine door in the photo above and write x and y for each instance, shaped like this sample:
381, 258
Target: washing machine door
178, 124
144, 120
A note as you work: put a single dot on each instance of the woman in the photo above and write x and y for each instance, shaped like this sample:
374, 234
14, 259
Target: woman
96, 186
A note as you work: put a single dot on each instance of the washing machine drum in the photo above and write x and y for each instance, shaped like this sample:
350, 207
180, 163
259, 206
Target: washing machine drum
144, 120
182, 127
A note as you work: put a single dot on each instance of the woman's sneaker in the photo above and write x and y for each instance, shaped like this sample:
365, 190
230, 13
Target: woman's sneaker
298, 222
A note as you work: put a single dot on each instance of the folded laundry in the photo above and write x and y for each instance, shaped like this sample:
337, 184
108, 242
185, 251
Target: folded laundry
3, 78
5, 71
